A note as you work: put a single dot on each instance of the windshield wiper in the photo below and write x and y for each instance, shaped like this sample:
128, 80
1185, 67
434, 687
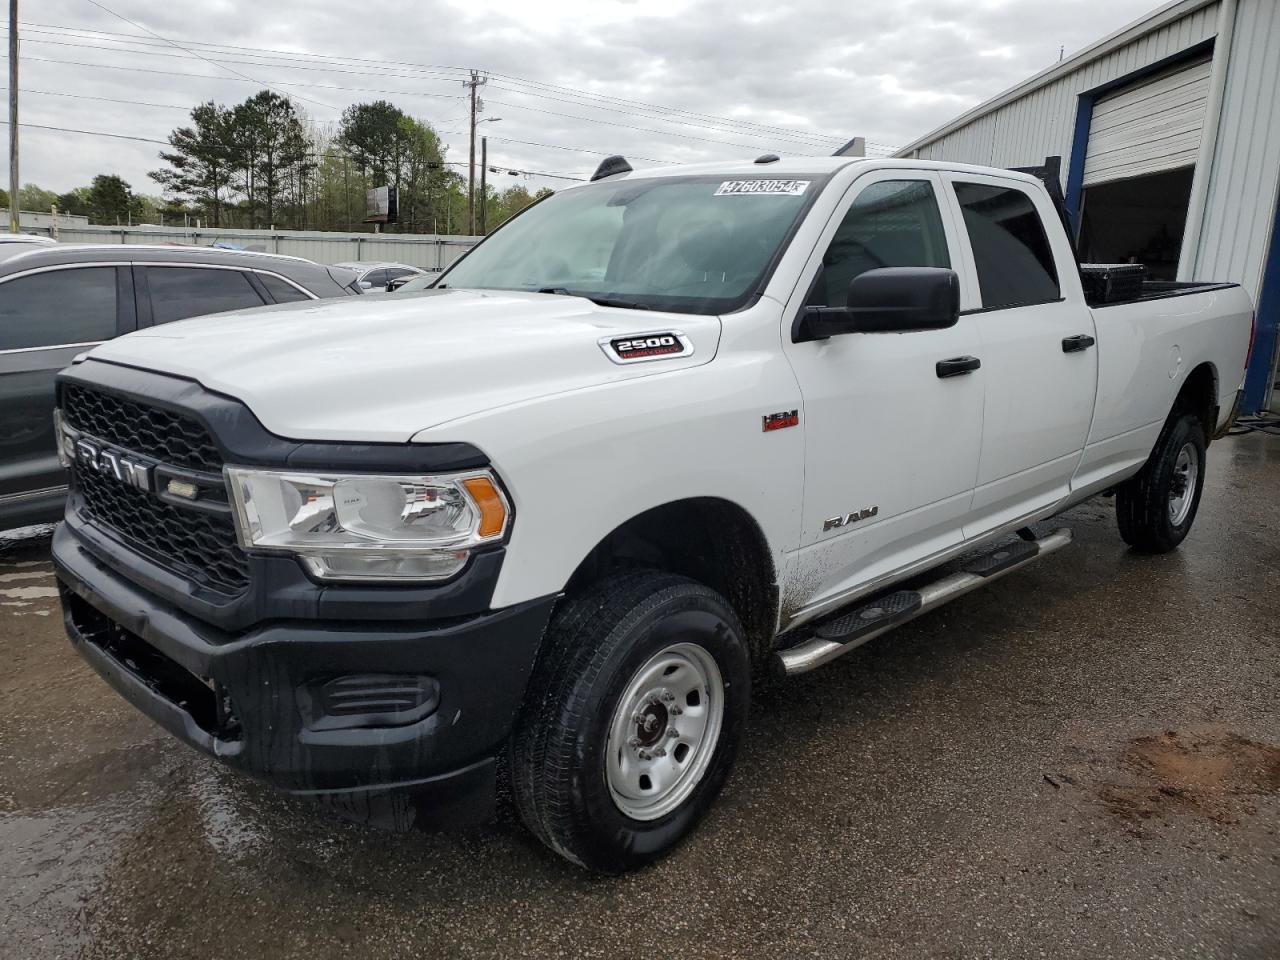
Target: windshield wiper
598, 301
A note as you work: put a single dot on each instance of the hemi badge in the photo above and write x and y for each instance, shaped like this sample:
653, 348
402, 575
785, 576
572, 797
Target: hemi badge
180, 488
778, 421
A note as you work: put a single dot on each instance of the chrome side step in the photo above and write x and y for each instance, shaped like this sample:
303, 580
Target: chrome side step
833, 637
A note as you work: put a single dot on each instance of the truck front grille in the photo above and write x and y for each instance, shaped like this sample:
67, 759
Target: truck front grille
197, 544
171, 438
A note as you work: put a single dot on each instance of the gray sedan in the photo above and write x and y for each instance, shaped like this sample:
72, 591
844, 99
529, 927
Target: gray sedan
58, 300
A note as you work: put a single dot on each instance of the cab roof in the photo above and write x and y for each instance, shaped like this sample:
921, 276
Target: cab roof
804, 166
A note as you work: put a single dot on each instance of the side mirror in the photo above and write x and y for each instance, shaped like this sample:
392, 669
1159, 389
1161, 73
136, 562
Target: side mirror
366, 285
887, 300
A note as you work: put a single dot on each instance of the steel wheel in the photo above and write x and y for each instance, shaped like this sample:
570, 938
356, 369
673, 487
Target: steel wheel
1182, 488
664, 731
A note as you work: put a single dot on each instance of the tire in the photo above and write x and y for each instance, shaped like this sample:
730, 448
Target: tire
576, 785
1156, 508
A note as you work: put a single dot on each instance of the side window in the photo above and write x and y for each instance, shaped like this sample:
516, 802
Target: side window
281, 292
396, 273
378, 278
181, 292
893, 223
73, 305
1010, 248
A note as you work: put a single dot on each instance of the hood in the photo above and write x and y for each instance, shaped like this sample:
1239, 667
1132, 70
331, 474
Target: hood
382, 368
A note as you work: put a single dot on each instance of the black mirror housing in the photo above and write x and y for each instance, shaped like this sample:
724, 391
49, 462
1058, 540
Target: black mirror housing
888, 300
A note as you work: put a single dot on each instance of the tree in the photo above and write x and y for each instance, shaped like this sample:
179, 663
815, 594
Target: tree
31, 197
374, 134
109, 199
269, 152
200, 161
75, 202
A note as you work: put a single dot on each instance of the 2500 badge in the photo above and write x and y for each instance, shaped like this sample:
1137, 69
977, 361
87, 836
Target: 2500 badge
648, 346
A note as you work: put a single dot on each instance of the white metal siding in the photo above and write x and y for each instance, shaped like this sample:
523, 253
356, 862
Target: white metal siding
1241, 202
1042, 123
1148, 128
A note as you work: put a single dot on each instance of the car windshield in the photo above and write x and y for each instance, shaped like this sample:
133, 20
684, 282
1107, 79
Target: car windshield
685, 244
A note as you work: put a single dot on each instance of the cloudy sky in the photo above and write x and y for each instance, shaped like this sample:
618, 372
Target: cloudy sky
571, 80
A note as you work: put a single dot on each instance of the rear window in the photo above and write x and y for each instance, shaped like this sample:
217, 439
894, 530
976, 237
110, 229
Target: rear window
69, 306
281, 291
181, 292
1010, 249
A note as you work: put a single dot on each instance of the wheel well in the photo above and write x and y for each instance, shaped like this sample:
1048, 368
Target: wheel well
706, 539
1199, 396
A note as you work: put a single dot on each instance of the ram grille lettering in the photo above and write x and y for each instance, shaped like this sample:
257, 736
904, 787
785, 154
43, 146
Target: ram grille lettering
115, 465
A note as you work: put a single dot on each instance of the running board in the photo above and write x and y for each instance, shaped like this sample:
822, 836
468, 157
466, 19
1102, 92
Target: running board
833, 637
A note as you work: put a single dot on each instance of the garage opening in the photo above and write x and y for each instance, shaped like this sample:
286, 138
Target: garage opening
1138, 167
1137, 221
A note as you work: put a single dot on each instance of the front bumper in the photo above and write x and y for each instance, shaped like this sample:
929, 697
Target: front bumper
262, 700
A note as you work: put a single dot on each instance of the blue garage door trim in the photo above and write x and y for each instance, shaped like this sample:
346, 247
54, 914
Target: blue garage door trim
1084, 120
1262, 364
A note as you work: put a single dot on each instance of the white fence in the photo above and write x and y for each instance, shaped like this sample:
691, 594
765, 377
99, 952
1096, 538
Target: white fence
423, 250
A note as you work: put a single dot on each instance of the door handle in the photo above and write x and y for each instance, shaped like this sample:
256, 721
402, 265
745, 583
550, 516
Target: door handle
957, 366
1081, 341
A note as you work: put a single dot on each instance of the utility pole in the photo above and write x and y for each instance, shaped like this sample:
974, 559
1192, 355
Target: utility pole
13, 116
484, 188
475, 82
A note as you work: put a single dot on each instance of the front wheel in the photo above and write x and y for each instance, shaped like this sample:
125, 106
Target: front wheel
1156, 508
633, 719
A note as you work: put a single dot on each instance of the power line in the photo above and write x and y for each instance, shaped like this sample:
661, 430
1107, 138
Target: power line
626, 126
91, 133
598, 153
135, 24
810, 140
279, 83
514, 106
403, 93
85, 96
593, 100
175, 106
165, 143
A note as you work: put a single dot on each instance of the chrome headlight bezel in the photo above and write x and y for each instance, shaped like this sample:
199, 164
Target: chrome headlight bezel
343, 526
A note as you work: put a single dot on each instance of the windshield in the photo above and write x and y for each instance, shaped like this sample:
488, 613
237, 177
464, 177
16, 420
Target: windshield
686, 244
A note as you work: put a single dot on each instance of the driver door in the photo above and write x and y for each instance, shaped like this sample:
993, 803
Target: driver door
892, 444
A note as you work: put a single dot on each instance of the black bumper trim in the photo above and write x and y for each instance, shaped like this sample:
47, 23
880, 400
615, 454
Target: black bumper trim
482, 664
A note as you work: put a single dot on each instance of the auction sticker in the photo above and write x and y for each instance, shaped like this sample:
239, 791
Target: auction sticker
754, 188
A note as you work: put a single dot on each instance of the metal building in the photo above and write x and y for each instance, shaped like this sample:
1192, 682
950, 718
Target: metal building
1169, 130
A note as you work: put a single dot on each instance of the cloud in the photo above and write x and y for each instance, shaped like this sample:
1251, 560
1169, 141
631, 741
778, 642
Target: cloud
563, 73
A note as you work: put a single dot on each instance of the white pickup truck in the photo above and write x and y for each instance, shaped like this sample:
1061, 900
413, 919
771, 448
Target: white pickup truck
544, 523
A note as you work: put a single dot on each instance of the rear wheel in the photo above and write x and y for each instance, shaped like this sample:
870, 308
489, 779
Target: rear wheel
632, 721
1156, 508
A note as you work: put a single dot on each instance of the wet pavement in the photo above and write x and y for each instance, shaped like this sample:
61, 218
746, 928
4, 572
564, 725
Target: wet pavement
1081, 761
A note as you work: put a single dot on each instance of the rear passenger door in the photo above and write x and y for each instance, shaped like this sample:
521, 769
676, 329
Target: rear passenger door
168, 293
47, 317
1037, 353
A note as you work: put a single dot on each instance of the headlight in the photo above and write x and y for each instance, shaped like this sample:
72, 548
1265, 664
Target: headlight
369, 527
